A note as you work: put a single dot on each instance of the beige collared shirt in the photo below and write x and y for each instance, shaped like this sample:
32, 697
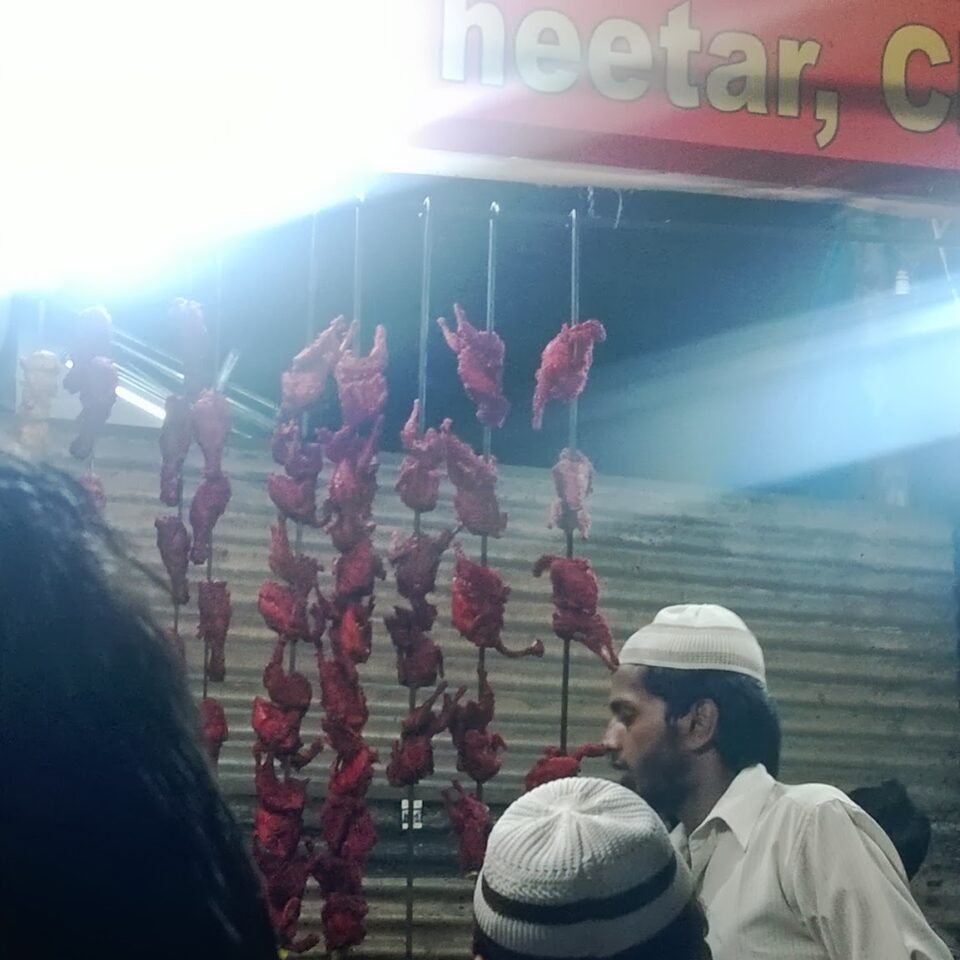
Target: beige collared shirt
802, 873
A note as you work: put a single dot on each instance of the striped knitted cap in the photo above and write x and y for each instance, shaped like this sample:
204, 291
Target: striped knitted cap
579, 867
696, 636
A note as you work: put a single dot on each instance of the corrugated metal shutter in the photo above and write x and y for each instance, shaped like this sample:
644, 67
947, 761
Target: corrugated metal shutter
853, 605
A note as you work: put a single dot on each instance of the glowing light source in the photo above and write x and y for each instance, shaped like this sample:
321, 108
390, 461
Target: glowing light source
141, 403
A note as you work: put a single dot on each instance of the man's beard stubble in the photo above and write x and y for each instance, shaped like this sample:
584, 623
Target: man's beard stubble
662, 778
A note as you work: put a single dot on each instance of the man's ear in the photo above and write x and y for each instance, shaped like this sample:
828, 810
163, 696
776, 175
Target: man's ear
698, 727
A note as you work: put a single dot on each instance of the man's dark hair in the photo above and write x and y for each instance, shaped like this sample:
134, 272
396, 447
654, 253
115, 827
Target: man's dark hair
116, 841
908, 829
684, 938
748, 727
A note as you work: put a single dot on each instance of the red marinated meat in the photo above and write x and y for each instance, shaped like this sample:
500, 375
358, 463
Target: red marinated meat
340, 691
361, 385
353, 481
575, 597
347, 827
176, 435
283, 611
304, 384
565, 364
96, 381
412, 755
287, 796
289, 690
351, 636
554, 765
356, 571
419, 659
336, 875
418, 481
93, 484
471, 822
277, 729
276, 835
295, 499
213, 727
298, 571
480, 359
352, 771
207, 507
284, 886
300, 459
342, 919
573, 478
187, 318
211, 427
478, 750
478, 600
173, 541
416, 562
475, 479
213, 606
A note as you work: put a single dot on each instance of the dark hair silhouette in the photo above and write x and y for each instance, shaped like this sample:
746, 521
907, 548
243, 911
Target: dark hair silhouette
748, 729
116, 841
908, 828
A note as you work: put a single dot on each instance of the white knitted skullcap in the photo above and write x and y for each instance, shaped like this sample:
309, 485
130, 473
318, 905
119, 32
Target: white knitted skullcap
579, 867
696, 636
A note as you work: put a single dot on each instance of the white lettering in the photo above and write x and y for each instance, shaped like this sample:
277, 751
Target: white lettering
742, 83
620, 59
547, 42
459, 19
680, 40
793, 58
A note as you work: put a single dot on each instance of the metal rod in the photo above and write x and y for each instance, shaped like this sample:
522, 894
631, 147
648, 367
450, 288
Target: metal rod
572, 445
939, 229
411, 796
358, 274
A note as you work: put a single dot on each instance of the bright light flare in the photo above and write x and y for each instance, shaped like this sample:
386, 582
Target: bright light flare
141, 403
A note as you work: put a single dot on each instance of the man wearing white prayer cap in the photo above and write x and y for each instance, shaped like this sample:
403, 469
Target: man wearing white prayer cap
783, 871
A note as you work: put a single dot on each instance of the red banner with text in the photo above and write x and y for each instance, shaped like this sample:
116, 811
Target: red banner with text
855, 94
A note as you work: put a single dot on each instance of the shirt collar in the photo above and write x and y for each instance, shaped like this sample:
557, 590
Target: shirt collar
740, 806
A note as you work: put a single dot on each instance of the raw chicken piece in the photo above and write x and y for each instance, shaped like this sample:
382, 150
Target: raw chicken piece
295, 499
352, 635
276, 835
92, 483
412, 756
96, 380
418, 482
478, 750
187, 318
342, 919
573, 477
565, 364
356, 571
176, 435
207, 507
277, 729
478, 600
475, 479
361, 385
419, 659
471, 822
284, 886
575, 597
173, 541
213, 605
298, 571
353, 482
287, 796
416, 562
283, 611
211, 427
480, 365
347, 827
300, 459
340, 691
288, 690
213, 727
303, 385
554, 765
352, 771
